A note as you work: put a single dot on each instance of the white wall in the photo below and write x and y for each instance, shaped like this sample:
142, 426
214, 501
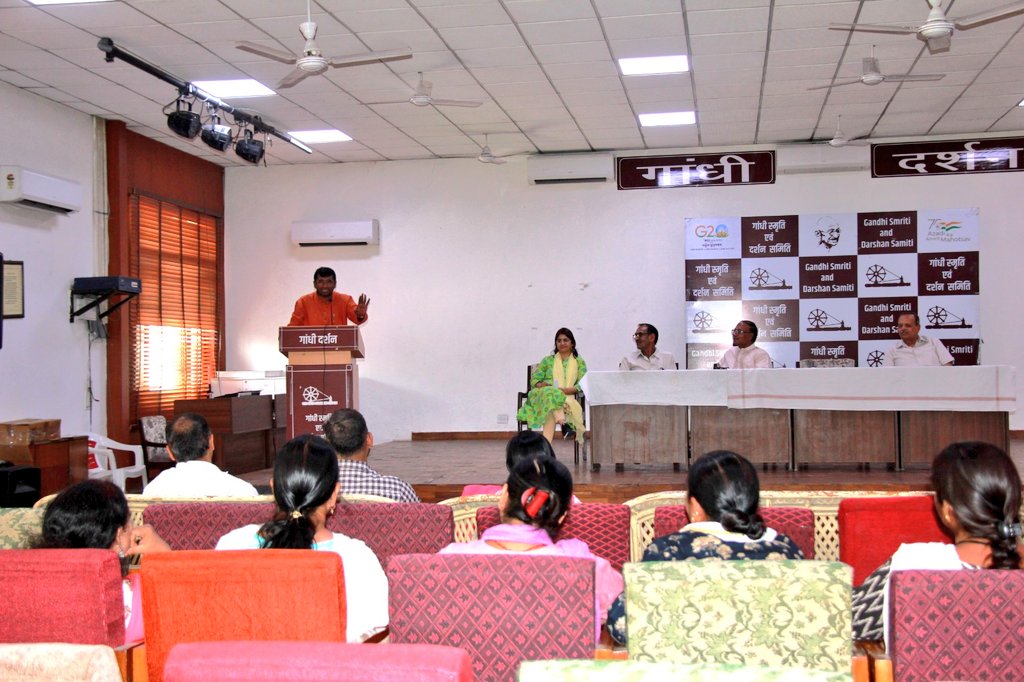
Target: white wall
476, 269
44, 362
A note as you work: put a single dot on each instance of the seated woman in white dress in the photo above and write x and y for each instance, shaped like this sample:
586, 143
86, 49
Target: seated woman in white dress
305, 487
977, 500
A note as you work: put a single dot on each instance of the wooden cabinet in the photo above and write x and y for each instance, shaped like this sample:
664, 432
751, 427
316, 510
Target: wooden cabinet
61, 462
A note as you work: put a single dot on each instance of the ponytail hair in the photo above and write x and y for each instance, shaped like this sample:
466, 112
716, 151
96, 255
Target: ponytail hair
982, 486
305, 473
726, 486
539, 493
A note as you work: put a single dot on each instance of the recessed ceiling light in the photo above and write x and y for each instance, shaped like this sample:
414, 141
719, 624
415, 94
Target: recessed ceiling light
63, 2
319, 136
645, 66
244, 87
669, 118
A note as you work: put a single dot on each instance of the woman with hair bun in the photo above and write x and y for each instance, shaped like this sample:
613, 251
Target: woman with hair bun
977, 501
533, 504
305, 487
723, 495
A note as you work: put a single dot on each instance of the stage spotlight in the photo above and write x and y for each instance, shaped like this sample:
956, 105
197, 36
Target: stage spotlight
249, 149
184, 123
217, 135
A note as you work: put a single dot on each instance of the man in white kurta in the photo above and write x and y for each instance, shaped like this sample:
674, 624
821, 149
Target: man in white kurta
744, 354
914, 350
190, 445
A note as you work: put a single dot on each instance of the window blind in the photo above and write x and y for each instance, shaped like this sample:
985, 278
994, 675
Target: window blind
176, 324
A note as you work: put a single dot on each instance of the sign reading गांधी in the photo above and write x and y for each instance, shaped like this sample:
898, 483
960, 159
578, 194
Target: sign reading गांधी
695, 170
990, 155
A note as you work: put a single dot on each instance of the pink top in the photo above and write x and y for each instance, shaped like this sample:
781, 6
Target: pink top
608, 582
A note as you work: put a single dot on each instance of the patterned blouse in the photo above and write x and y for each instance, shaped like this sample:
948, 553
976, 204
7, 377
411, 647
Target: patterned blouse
707, 540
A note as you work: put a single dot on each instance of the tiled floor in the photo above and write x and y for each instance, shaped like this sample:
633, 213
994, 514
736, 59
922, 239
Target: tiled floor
439, 469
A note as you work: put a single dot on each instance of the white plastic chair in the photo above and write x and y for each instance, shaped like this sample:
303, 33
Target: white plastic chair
106, 446
103, 470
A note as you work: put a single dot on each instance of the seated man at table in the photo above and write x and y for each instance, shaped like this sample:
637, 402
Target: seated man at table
346, 431
744, 354
647, 356
914, 350
190, 444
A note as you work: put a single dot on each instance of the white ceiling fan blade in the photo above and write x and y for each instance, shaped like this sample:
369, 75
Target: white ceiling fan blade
910, 77
268, 52
875, 28
836, 84
370, 57
989, 15
940, 44
454, 102
294, 77
497, 160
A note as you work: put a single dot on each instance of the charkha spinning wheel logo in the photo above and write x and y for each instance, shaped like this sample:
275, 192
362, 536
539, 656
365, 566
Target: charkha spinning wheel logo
313, 397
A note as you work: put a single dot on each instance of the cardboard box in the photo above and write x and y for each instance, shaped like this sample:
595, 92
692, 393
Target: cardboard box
25, 431
16, 454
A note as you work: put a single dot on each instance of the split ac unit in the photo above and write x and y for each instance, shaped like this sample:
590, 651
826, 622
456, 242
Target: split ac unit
820, 158
547, 169
29, 188
336, 233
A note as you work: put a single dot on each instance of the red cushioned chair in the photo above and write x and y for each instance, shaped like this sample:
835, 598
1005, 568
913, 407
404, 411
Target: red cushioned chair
957, 625
871, 529
387, 529
202, 596
795, 522
316, 662
604, 527
399, 528
198, 525
501, 609
61, 595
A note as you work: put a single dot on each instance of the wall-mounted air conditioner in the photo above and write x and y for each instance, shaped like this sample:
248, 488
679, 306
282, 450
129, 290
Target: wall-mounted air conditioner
547, 169
336, 233
33, 189
820, 158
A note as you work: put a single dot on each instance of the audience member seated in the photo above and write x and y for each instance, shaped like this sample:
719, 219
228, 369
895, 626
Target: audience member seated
190, 445
553, 389
346, 431
94, 515
523, 445
533, 504
723, 495
305, 487
977, 500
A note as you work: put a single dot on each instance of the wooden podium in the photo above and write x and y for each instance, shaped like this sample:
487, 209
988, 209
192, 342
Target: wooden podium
321, 376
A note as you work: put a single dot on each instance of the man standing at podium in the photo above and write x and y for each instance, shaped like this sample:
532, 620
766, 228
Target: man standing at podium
325, 307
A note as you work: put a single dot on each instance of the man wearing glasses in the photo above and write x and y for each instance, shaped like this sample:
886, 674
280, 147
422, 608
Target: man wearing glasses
914, 350
744, 354
647, 356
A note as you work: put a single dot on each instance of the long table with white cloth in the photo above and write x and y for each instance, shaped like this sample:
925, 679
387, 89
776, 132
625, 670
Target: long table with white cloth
899, 416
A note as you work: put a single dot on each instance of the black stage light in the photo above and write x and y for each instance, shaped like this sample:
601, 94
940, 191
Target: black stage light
217, 135
184, 123
249, 149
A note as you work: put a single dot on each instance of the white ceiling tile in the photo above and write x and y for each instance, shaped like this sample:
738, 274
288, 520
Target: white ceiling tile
507, 56
179, 10
449, 16
618, 8
476, 37
513, 74
813, 15
526, 11
725, 21
572, 53
649, 47
404, 19
644, 26
558, 32
715, 45
571, 85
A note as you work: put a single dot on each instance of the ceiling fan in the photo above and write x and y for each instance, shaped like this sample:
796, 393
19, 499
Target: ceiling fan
312, 61
937, 30
487, 156
872, 75
840, 140
422, 97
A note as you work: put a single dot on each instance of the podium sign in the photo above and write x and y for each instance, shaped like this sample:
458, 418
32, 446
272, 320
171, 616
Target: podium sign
315, 392
320, 377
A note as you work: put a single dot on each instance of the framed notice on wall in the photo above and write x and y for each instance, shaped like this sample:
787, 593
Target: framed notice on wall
14, 288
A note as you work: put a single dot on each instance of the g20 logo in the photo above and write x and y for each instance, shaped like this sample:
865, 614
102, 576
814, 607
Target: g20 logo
708, 231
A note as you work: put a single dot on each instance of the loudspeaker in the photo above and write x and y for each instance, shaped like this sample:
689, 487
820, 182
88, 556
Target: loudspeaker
19, 485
